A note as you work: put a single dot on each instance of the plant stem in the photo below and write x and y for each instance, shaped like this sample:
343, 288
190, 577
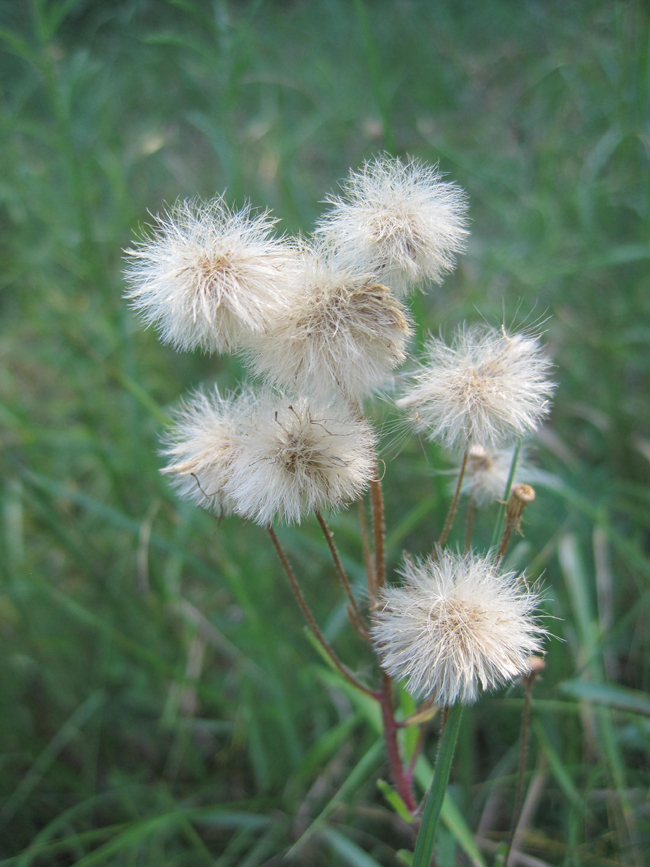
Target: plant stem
367, 558
454, 503
355, 614
498, 527
471, 514
431, 815
297, 592
504, 542
523, 756
379, 530
400, 780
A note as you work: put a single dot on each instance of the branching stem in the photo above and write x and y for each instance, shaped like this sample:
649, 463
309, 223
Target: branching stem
302, 602
367, 557
471, 514
400, 780
454, 503
523, 758
354, 612
378, 528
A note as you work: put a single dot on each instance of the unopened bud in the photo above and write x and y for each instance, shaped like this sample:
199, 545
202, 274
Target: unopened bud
520, 497
536, 664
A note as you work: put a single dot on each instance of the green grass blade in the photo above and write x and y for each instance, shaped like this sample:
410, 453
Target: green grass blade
436, 796
348, 852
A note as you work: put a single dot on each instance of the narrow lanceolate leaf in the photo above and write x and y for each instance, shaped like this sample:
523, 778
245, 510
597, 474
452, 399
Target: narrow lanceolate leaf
431, 815
348, 852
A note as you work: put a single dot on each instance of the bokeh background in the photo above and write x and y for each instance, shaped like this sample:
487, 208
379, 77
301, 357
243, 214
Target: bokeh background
161, 703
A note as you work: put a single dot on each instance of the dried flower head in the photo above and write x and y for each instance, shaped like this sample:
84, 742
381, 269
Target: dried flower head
207, 276
487, 472
398, 221
342, 334
487, 388
202, 445
296, 456
457, 626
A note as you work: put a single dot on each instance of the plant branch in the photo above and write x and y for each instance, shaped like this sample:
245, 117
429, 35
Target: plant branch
400, 780
471, 514
454, 503
353, 610
523, 757
367, 557
302, 602
378, 528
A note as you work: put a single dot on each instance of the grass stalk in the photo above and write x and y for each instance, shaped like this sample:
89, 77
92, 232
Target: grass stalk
436, 795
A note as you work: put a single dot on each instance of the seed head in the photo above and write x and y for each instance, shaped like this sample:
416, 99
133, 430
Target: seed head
398, 221
457, 626
487, 471
488, 388
206, 276
202, 446
341, 336
295, 456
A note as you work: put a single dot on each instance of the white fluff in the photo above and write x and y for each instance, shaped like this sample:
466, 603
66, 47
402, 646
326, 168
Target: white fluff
296, 456
207, 276
456, 626
398, 221
340, 336
488, 388
202, 445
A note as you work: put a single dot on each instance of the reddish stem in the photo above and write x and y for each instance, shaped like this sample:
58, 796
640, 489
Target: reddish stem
400, 780
377, 500
454, 503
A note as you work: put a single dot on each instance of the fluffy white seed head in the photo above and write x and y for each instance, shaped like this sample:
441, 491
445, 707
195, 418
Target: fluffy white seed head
399, 221
202, 446
296, 456
457, 626
488, 388
487, 472
341, 336
206, 276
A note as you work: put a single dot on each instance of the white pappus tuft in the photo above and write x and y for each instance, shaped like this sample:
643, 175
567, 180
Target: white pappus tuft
297, 456
457, 626
207, 276
488, 388
399, 221
341, 335
487, 473
202, 445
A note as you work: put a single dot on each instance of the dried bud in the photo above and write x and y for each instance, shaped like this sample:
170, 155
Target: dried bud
520, 497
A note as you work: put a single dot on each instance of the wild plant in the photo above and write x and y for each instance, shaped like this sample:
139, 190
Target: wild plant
323, 323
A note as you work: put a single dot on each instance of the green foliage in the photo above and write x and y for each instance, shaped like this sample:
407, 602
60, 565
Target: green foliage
161, 703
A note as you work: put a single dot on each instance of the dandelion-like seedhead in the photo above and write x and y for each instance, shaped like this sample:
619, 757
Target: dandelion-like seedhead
208, 276
488, 388
487, 472
399, 221
340, 336
457, 626
295, 456
202, 445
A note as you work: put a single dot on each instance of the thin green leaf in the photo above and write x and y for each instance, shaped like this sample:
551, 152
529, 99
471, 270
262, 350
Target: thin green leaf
431, 815
609, 694
347, 850
394, 800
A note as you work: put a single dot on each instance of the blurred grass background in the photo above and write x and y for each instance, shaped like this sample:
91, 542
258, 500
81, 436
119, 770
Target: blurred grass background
161, 703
